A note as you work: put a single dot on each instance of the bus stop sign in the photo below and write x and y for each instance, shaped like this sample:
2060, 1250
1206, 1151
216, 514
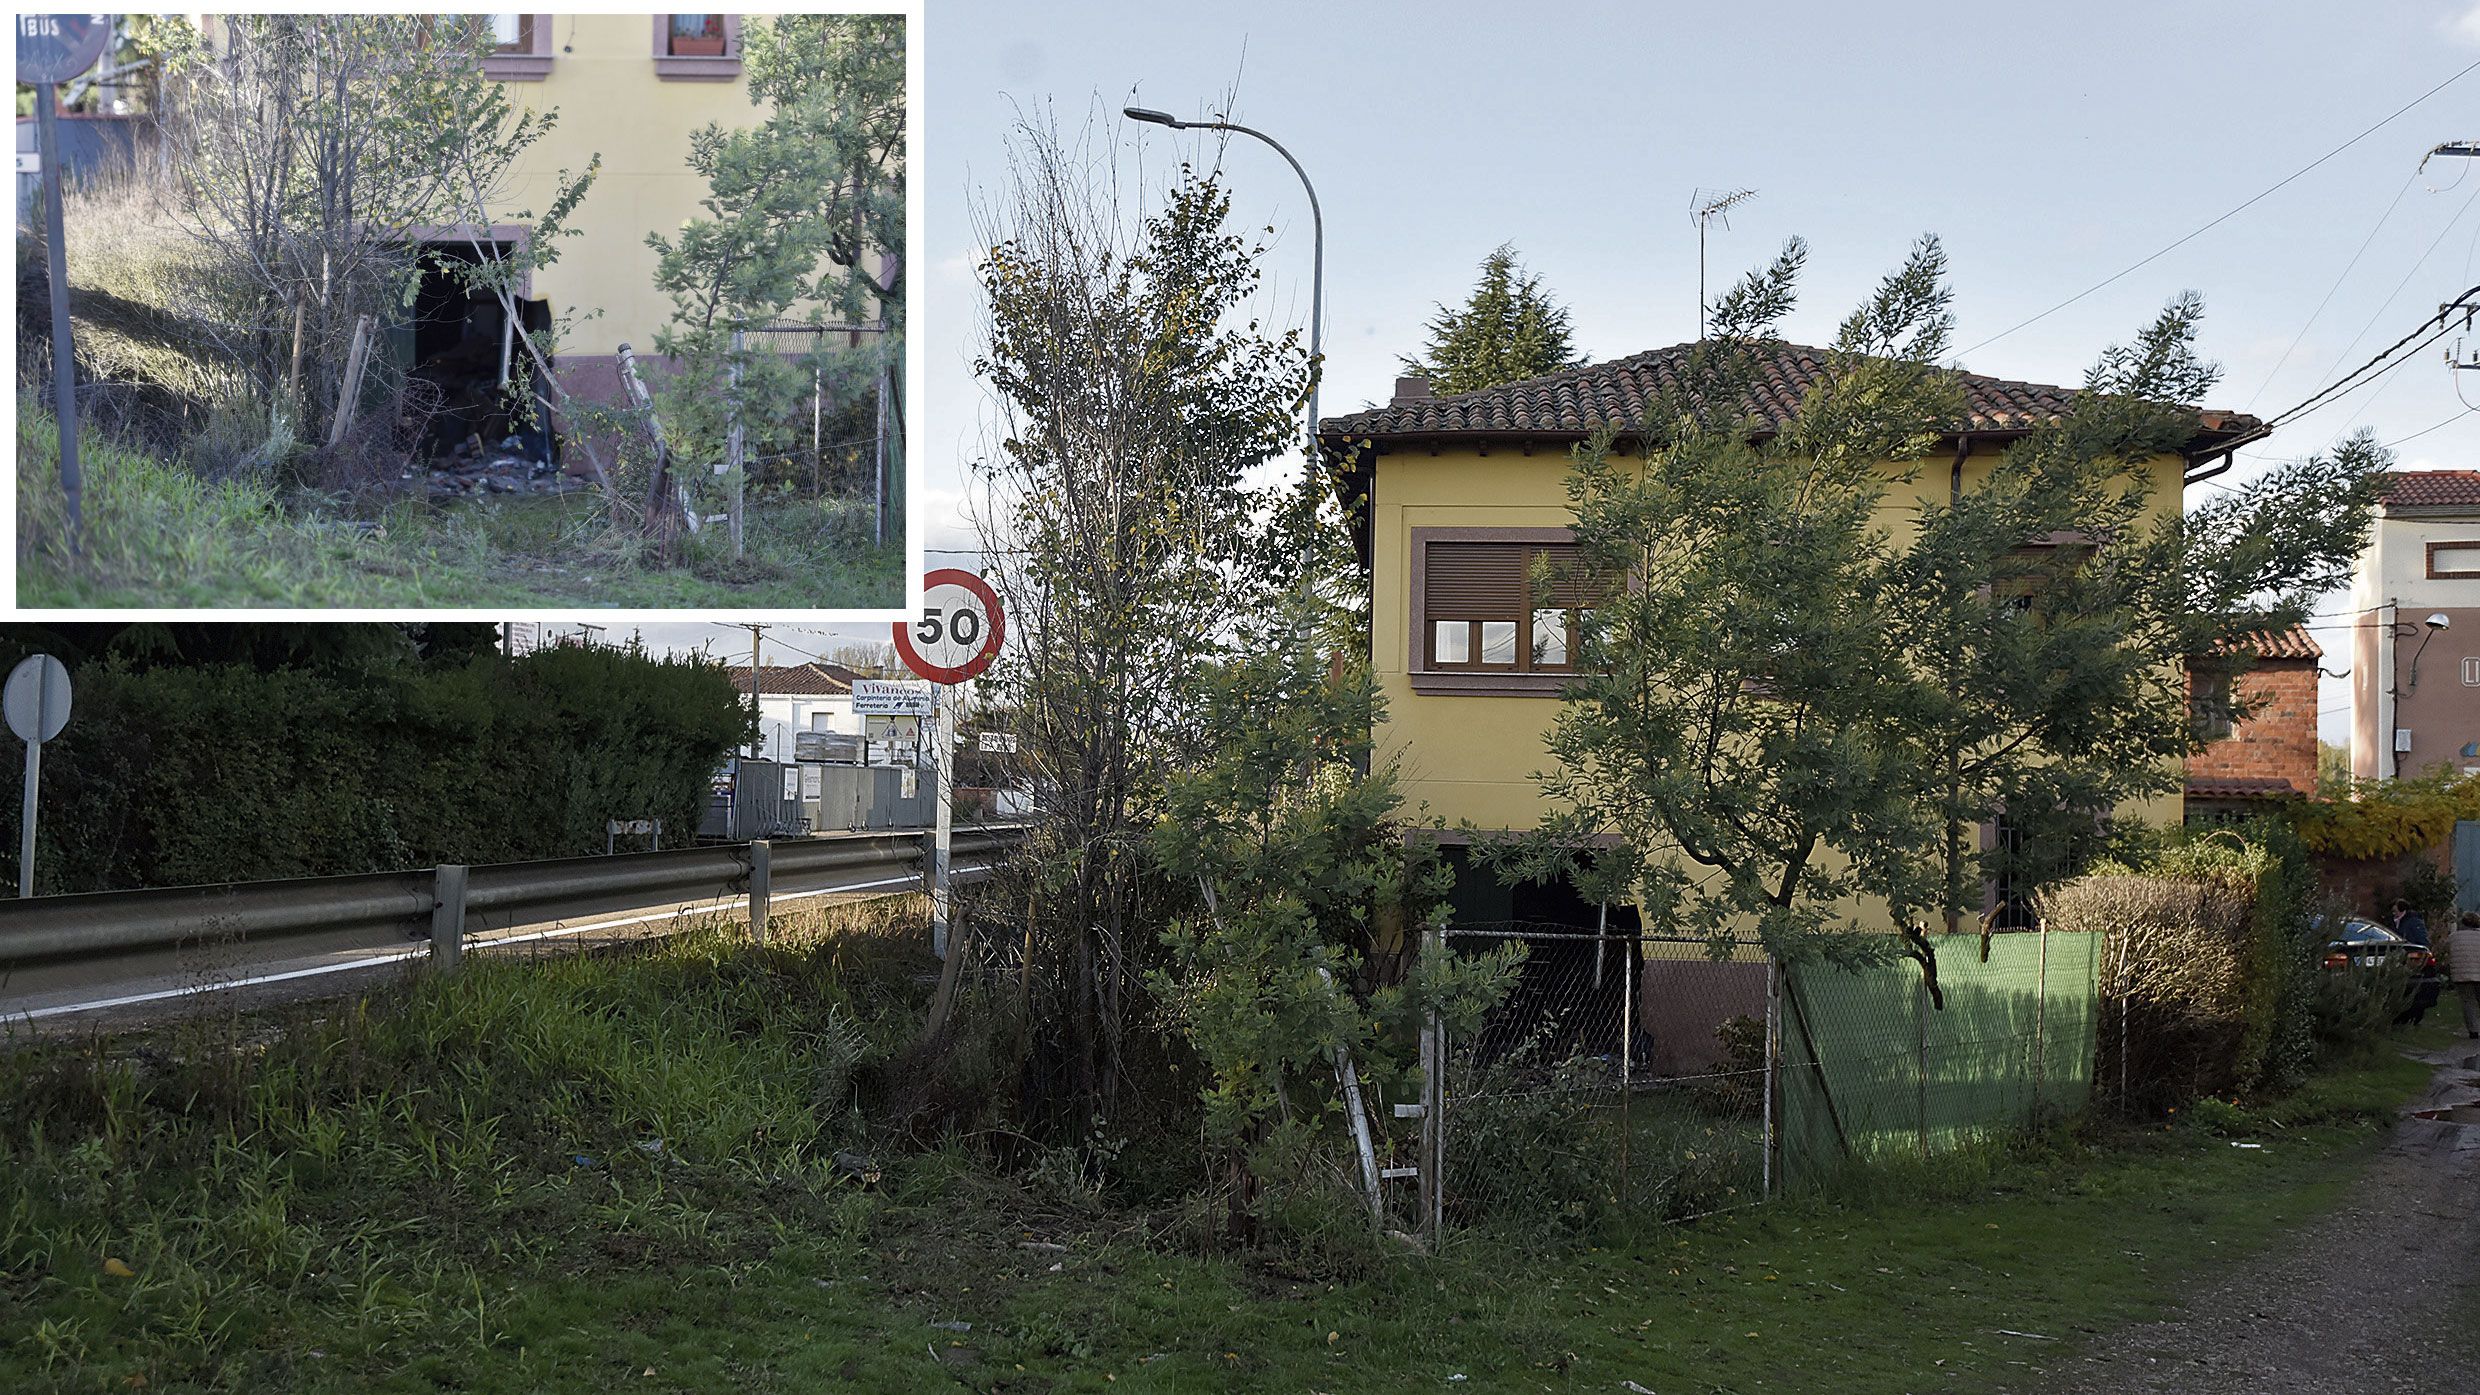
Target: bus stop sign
56, 48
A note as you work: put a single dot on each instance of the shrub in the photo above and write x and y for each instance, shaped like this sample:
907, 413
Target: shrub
231, 771
2211, 969
2354, 1006
2174, 984
2388, 818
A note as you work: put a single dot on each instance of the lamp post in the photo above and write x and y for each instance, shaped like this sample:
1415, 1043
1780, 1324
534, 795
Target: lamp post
1317, 264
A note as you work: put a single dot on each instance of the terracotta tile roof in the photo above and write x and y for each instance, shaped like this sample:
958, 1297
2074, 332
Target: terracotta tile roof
2428, 489
800, 680
2292, 643
1575, 401
2240, 787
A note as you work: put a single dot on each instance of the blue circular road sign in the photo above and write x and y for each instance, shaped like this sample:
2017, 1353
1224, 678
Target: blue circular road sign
56, 48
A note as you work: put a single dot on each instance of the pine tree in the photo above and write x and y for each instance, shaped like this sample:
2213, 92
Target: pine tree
1508, 330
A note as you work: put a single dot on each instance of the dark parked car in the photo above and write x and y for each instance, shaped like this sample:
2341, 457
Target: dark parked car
2364, 944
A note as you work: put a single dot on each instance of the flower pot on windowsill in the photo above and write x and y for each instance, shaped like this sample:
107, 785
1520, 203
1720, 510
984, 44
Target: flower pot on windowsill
697, 46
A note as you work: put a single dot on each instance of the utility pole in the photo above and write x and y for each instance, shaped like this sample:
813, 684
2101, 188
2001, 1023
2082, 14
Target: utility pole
757, 714
1706, 210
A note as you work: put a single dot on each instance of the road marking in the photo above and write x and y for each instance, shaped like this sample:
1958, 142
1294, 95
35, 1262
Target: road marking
421, 951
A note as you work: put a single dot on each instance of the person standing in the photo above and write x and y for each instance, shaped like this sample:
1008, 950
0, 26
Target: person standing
2463, 962
2410, 924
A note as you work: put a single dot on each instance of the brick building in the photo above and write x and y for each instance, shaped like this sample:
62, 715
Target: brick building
2262, 721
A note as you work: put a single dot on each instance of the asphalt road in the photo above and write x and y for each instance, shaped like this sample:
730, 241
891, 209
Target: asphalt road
133, 990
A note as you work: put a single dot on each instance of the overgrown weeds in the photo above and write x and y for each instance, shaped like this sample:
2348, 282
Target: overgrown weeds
215, 1188
226, 531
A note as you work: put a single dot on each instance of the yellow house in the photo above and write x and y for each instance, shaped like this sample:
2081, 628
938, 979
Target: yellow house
1456, 495
631, 89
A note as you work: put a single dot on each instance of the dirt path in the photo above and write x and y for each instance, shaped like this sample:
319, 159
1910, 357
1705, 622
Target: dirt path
2380, 1295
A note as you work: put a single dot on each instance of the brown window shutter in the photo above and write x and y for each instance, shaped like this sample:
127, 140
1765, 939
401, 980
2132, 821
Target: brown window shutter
1476, 579
1496, 580
1568, 586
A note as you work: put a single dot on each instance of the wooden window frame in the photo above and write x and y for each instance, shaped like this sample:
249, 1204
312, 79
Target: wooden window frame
530, 59
1470, 679
725, 67
2213, 699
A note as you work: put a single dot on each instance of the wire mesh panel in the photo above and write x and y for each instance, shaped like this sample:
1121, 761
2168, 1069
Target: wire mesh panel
848, 438
1621, 1077
1873, 1067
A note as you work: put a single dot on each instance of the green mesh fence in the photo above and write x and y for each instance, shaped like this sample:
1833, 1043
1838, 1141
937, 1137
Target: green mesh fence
1870, 1069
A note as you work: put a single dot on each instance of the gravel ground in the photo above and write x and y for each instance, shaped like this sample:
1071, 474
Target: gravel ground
2379, 1295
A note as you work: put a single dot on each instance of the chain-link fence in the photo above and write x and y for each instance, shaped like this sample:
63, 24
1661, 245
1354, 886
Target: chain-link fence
1636, 1077
1577, 1102
850, 440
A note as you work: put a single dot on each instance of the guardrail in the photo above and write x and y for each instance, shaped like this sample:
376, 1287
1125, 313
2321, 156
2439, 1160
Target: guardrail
446, 901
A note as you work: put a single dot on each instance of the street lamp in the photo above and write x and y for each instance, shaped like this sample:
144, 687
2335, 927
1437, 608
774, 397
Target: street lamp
1317, 273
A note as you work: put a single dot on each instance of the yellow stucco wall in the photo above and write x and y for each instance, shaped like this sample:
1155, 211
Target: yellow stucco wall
1473, 757
610, 101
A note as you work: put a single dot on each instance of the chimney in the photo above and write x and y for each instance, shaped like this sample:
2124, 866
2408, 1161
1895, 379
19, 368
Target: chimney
1412, 390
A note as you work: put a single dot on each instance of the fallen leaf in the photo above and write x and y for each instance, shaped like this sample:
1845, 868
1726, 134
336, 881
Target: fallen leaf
118, 1270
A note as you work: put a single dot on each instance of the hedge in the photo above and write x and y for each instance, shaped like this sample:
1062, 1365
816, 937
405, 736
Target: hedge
178, 775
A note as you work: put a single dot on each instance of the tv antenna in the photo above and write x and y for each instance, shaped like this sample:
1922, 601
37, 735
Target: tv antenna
1707, 207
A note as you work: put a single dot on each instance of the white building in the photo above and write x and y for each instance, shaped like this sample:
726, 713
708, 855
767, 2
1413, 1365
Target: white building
2415, 666
802, 698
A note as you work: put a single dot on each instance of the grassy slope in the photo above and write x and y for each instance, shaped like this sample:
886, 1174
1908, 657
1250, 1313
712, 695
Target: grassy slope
389, 1199
158, 536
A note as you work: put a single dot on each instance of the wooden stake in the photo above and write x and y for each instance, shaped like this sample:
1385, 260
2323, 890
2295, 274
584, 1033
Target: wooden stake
733, 462
349, 400
301, 309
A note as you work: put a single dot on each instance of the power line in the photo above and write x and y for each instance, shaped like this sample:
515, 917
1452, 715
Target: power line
2348, 267
2346, 383
2449, 421
2396, 293
2226, 217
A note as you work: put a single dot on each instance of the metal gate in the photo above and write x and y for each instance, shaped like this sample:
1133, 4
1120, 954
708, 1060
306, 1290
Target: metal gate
1624, 1076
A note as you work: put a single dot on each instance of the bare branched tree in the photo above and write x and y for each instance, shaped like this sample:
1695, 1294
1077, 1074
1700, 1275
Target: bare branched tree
306, 149
1136, 394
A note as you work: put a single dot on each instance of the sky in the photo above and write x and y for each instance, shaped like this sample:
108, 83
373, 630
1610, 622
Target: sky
785, 644
2047, 146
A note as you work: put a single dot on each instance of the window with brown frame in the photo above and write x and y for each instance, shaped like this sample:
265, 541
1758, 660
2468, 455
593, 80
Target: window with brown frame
695, 36
1486, 608
512, 34
2212, 701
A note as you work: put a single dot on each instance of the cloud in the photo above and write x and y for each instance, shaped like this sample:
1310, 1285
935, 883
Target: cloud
2466, 28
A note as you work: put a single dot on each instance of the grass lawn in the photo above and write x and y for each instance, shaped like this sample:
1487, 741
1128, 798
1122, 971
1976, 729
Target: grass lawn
158, 536
608, 1173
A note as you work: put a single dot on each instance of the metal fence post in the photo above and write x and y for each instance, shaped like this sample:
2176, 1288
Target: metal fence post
1920, 1063
1627, 1053
2040, 1026
735, 459
1770, 1140
1433, 1103
447, 918
759, 851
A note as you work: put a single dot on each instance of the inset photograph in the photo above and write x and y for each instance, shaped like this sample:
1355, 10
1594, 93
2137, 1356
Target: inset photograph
406, 311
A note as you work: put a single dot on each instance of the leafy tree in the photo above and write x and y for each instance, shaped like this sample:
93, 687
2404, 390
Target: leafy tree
1134, 398
1798, 691
1291, 830
804, 220
1508, 330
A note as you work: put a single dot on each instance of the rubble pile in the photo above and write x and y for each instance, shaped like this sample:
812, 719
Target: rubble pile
473, 469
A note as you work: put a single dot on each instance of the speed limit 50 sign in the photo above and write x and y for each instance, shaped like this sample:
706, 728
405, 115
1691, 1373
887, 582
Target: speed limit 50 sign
959, 631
